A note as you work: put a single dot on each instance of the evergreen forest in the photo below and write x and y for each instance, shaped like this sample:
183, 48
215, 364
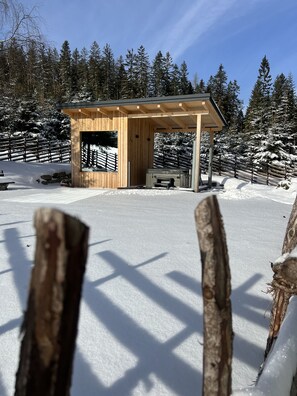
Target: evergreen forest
34, 78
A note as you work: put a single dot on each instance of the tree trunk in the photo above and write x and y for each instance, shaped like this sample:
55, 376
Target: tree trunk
216, 287
50, 324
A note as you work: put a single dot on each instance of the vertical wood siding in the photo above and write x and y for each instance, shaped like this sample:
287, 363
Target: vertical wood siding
135, 146
99, 122
141, 149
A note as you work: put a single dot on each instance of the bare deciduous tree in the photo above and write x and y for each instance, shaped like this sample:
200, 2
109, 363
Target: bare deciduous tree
17, 22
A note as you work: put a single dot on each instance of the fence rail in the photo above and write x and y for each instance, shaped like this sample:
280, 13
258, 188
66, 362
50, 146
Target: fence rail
31, 149
172, 160
99, 160
231, 165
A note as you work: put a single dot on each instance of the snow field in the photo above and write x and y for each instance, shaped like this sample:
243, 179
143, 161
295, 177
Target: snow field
140, 329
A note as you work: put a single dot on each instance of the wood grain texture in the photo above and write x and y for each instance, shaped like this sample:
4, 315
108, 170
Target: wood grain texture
283, 285
50, 323
216, 287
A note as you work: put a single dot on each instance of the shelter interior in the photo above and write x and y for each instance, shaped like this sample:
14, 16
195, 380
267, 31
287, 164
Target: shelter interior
122, 133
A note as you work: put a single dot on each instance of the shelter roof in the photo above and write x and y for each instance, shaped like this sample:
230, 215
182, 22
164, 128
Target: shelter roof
168, 113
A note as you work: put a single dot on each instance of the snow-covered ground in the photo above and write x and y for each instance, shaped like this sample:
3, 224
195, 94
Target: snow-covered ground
140, 328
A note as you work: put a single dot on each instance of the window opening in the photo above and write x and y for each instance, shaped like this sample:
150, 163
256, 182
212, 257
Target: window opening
99, 151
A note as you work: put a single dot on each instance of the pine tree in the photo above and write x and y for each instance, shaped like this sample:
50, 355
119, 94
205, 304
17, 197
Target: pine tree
131, 87
45, 71
167, 74
26, 118
281, 129
65, 72
75, 73
175, 80
95, 81
231, 138
185, 85
56, 125
217, 87
7, 110
226, 95
108, 74
4, 71
157, 87
85, 93
258, 115
198, 85
292, 117
79, 76
16, 59
54, 91
120, 79
202, 86
142, 72
33, 71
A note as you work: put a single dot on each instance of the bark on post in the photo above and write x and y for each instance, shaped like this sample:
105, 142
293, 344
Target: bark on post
290, 240
282, 287
50, 324
216, 287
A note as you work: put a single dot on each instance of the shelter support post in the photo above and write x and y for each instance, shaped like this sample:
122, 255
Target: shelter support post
197, 156
210, 157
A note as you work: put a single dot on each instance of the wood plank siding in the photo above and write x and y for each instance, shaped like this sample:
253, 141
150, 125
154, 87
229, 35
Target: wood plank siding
141, 149
100, 122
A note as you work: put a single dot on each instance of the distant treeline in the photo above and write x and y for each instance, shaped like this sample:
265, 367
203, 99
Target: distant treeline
35, 77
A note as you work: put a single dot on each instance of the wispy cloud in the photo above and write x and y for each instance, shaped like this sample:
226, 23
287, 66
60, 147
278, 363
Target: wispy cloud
184, 30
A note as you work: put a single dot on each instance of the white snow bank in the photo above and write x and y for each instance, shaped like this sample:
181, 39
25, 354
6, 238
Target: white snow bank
239, 189
281, 364
25, 174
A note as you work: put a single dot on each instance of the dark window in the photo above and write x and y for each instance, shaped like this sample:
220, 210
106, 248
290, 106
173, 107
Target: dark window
99, 151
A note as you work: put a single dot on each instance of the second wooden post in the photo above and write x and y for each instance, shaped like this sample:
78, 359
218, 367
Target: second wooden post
216, 288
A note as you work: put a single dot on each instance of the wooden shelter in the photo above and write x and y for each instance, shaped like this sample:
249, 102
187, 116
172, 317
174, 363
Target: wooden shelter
133, 123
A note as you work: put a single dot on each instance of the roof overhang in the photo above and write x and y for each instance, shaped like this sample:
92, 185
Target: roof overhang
167, 113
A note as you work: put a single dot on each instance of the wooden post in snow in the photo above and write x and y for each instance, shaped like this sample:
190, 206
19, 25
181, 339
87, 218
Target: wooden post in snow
216, 287
210, 158
284, 281
290, 240
50, 323
196, 160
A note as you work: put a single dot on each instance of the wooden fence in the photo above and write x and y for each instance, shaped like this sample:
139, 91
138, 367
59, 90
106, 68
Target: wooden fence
96, 159
34, 149
173, 159
230, 165
245, 169
37, 149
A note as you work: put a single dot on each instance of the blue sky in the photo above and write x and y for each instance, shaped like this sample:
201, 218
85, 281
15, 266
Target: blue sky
203, 33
